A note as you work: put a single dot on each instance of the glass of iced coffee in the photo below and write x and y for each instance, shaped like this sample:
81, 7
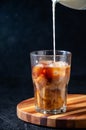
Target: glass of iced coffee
50, 76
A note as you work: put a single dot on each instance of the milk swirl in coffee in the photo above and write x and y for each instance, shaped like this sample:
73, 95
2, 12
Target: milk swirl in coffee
50, 81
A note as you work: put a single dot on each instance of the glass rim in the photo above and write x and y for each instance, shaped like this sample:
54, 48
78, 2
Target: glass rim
64, 52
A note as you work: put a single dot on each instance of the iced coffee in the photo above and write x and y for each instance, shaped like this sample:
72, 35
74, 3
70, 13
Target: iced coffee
50, 80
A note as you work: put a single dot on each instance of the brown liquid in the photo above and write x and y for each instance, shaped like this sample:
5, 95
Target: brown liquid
50, 81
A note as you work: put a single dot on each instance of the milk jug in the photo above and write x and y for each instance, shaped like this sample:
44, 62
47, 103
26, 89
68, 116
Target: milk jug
74, 4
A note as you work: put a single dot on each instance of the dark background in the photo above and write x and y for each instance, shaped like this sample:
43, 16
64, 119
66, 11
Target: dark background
25, 26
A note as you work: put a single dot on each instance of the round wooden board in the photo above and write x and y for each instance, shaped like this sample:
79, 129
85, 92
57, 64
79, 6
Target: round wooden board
75, 117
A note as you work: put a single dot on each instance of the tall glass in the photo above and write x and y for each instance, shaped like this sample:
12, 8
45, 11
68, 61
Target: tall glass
50, 76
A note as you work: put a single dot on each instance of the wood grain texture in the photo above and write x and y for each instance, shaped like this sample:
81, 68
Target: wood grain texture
75, 117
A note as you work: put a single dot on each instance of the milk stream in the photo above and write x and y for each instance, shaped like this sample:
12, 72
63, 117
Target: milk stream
75, 4
53, 16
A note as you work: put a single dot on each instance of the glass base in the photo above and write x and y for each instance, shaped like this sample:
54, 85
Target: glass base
55, 111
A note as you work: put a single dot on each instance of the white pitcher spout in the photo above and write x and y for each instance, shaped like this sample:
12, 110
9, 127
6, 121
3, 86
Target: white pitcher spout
75, 4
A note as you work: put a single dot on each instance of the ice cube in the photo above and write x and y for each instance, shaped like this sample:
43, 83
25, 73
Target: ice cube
41, 81
39, 65
45, 62
60, 64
